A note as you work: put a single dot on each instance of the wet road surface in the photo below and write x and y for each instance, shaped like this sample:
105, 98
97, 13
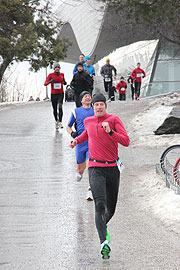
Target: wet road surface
45, 220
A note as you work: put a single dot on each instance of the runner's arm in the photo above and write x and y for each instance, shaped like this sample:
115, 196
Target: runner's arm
75, 69
144, 73
133, 74
72, 120
118, 86
115, 71
82, 138
47, 80
119, 134
102, 71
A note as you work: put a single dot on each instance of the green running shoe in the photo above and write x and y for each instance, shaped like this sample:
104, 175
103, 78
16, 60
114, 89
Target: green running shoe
105, 250
107, 235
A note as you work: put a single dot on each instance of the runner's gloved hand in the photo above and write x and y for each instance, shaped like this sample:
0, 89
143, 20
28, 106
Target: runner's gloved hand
65, 83
143, 77
52, 80
74, 134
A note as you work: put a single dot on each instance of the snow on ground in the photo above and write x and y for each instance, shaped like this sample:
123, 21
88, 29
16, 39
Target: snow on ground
153, 194
160, 200
145, 123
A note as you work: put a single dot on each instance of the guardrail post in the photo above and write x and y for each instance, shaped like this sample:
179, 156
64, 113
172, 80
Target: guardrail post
167, 182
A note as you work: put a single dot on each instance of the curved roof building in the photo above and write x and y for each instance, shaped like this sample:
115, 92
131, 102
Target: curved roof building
95, 31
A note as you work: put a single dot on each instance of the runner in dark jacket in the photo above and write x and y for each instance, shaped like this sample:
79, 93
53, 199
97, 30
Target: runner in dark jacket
107, 73
131, 82
81, 81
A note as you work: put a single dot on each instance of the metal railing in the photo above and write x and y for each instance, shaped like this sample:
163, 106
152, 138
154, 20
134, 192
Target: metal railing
168, 175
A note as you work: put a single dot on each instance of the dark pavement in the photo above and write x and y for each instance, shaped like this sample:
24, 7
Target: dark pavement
46, 222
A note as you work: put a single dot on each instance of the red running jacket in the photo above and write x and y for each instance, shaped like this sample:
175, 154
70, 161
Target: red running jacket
137, 74
122, 86
102, 146
57, 86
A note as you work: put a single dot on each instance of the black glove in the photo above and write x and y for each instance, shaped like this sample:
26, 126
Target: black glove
143, 77
74, 134
52, 80
65, 83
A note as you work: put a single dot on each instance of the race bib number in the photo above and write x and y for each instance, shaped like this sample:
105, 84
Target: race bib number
57, 85
120, 165
107, 79
139, 75
123, 89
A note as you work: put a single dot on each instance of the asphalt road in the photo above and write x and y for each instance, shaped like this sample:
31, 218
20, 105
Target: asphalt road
46, 222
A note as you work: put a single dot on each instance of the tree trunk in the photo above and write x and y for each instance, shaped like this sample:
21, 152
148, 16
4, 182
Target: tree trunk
3, 66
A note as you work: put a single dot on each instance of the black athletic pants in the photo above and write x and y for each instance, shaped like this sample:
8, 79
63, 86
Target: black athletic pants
104, 182
57, 102
137, 88
132, 91
122, 96
107, 87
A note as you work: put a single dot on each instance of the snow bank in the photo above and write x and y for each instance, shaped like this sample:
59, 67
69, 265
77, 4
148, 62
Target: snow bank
145, 123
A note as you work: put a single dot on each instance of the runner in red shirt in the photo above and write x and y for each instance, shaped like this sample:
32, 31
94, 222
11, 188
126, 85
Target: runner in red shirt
57, 93
137, 75
103, 132
122, 86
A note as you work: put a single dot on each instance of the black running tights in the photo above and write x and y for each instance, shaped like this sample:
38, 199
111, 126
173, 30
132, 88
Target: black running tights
57, 102
104, 182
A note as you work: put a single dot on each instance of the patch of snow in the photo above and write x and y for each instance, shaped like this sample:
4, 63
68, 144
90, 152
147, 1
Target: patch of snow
160, 200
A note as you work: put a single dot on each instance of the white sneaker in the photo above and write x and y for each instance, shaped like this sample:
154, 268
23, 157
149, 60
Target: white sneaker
78, 177
89, 195
60, 125
57, 125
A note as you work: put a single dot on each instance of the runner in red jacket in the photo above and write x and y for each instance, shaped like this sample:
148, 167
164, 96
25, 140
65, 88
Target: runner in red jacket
137, 75
57, 93
103, 132
122, 86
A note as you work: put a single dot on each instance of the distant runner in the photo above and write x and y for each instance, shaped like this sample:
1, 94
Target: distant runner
122, 86
107, 73
89, 68
131, 82
56, 79
137, 75
78, 115
103, 132
81, 60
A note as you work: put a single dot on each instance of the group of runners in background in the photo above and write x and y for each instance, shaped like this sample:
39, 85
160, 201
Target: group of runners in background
95, 134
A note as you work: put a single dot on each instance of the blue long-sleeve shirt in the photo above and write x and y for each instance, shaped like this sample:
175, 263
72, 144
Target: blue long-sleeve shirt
89, 69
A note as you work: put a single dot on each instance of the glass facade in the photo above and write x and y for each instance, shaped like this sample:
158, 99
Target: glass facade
166, 76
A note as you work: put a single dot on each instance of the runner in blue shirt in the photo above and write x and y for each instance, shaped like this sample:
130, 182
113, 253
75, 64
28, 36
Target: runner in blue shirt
88, 67
78, 115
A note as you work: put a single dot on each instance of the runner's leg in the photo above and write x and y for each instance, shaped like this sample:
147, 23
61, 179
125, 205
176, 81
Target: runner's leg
81, 150
138, 88
98, 187
132, 91
60, 104
112, 187
106, 86
54, 105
